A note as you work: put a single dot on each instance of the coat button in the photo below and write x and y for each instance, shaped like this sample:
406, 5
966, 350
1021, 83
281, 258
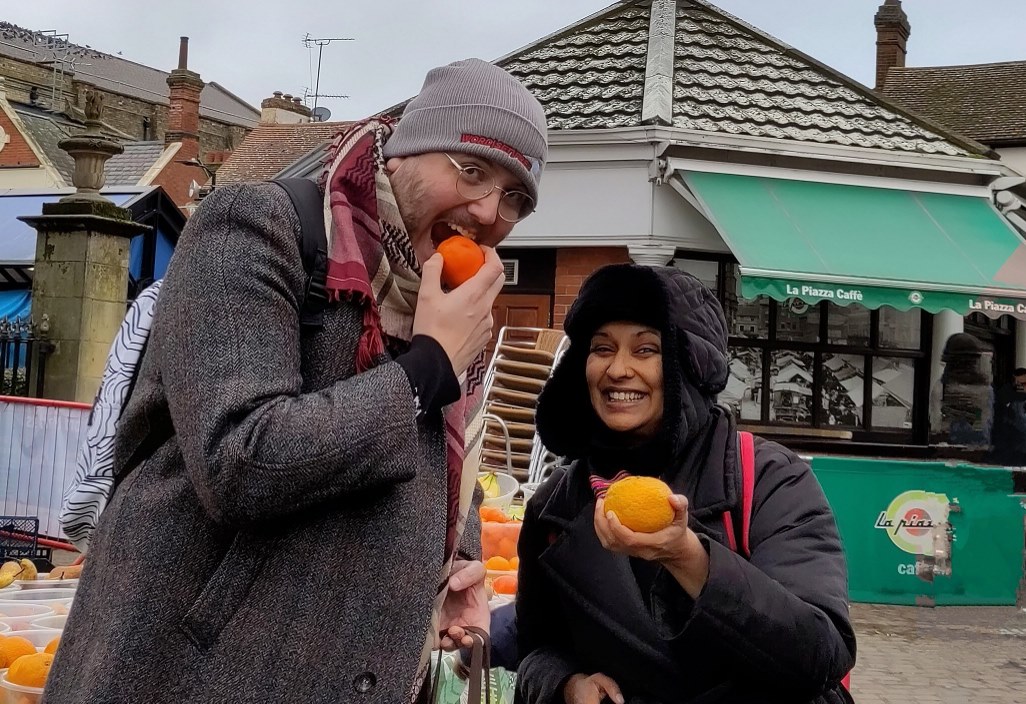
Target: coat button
364, 682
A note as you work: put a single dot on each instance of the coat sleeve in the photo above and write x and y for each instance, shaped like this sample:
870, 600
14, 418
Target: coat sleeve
543, 642
255, 446
781, 617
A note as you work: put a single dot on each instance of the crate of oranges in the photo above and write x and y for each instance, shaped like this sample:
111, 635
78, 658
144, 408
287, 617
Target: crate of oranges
499, 536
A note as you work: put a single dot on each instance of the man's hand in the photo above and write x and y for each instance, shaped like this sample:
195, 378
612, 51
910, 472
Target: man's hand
459, 320
591, 689
466, 604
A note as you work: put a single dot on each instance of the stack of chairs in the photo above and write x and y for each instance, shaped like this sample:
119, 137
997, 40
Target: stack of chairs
522, 362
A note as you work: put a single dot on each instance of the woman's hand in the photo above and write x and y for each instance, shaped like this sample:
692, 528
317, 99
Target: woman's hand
591, 689
676, 547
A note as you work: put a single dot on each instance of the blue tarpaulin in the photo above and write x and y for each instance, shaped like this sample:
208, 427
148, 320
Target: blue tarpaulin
18, 239
15, 304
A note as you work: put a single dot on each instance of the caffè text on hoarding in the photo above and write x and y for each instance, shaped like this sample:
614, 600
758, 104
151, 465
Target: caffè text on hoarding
819, 291
989, 305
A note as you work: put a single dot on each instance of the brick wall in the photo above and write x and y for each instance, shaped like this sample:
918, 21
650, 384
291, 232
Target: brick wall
573, 265
15, 152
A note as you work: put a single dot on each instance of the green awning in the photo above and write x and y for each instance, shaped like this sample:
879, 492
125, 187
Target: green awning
871, 246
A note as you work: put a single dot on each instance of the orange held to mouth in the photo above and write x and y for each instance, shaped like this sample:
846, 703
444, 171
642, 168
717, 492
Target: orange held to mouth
461, 259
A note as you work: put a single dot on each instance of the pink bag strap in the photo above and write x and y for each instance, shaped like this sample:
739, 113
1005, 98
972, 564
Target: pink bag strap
746, 452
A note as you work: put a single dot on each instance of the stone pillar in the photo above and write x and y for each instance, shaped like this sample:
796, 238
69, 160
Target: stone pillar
80, 282
945, 324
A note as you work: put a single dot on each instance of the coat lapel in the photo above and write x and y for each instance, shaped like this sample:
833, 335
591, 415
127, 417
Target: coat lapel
601, 581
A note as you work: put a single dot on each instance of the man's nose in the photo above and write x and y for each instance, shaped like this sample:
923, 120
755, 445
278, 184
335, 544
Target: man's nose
486, 210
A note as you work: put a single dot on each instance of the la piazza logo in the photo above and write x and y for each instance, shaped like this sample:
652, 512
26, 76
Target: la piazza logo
910, 518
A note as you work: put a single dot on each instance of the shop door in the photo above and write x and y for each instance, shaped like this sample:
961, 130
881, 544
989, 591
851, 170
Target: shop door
519, 310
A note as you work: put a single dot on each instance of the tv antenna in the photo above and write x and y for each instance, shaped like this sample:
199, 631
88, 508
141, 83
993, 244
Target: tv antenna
310, 42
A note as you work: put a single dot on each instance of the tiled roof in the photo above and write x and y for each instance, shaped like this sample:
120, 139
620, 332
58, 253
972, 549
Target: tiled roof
124, 169
46, 131
270, 148
119, 75
727, 77
986, 101
127, 168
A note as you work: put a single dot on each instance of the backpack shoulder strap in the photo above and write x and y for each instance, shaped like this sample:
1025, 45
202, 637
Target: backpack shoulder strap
746, 453
309, 204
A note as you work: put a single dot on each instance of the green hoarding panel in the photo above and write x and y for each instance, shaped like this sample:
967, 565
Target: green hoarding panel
885, 510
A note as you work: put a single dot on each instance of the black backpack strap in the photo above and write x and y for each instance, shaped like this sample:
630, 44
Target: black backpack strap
308, 201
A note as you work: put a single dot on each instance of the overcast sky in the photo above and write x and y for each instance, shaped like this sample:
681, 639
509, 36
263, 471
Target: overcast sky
256, 47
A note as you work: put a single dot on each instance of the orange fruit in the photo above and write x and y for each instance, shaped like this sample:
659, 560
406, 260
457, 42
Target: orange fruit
51, 647
514, 563
497, 563
461, 259
12, 648
30, 670
493, 515
641, 503
506, 584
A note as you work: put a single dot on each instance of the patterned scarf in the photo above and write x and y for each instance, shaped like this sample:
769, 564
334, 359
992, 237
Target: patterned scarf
372, 263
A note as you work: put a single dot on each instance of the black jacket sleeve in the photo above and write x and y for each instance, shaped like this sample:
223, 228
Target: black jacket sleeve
781, 616
543, 641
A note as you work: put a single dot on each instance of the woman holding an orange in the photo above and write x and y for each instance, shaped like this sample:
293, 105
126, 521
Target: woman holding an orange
732, 585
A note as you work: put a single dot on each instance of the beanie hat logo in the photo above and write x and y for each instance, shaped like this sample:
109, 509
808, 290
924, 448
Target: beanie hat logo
496, 144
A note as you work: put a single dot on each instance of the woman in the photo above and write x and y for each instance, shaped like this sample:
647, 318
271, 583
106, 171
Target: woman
675, 615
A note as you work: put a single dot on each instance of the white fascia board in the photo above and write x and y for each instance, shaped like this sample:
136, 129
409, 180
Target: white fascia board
606, 240
675, 136
894, 184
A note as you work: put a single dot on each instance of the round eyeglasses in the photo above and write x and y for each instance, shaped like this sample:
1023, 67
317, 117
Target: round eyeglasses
474, 183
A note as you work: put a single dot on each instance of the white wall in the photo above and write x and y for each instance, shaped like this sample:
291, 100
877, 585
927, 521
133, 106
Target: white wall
591, 199
1015, 157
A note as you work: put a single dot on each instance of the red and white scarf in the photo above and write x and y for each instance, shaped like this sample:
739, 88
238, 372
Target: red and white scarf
372, 263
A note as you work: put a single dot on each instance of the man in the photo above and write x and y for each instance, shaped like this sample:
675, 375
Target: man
1010, 422
295, 537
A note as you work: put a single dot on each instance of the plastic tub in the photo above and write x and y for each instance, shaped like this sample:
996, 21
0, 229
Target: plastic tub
57, 599
508, 487
50, 623
4, 628
528, 489
19, 616
16, 694
41, 582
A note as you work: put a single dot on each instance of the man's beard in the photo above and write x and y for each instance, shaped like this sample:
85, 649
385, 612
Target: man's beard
410, 198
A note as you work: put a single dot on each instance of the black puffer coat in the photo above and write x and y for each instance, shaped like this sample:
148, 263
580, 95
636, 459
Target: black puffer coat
771, 628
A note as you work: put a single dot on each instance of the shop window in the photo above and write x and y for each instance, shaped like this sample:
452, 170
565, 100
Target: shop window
848, 325
828, 366
791, 377
843, 388
899, 329
798, 321
750, 319
744, 383
893, 392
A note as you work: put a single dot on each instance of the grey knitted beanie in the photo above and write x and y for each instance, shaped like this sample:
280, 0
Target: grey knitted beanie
474, 107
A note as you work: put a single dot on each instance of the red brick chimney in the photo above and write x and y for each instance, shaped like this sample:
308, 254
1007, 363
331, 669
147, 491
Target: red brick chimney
183, 118
892, 31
